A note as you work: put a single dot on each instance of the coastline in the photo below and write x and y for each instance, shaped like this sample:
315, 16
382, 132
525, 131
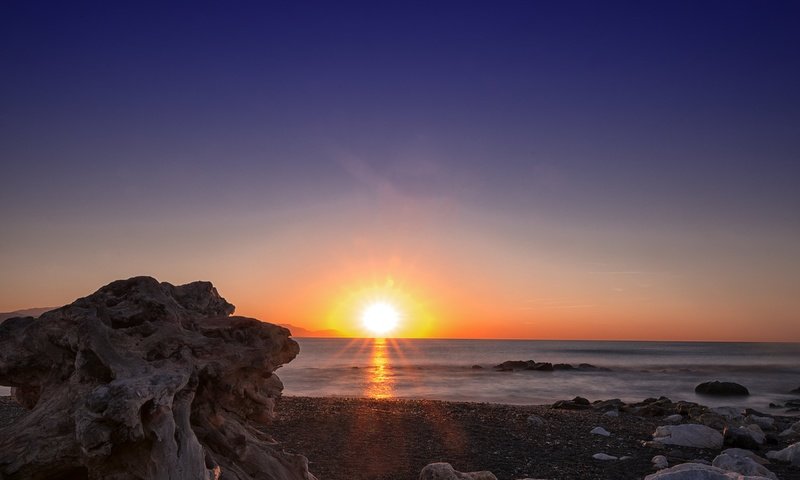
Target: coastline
393, 439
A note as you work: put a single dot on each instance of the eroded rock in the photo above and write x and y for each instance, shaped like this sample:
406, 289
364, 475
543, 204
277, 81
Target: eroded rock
145, 380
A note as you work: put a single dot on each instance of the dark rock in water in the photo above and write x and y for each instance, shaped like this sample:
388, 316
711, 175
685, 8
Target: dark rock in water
563, 366
477, 367
721, 388
590, 367
738, 438
775, 405
147, 376
541, 367
577, 403
511, 365
793, 403
796, 390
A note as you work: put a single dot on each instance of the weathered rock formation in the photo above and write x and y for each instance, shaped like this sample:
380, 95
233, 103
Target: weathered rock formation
144, 380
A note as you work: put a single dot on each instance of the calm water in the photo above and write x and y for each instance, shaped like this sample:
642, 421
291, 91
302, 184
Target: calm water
441, 369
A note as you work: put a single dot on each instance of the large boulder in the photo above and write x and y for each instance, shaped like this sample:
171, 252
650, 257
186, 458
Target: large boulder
688, 435
699, 471
721, 389
145, 380
790, 454
445, 471
742, 464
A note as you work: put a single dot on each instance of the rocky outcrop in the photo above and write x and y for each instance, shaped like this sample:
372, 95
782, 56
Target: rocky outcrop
145, 380
577, 403
445, 471
721, 389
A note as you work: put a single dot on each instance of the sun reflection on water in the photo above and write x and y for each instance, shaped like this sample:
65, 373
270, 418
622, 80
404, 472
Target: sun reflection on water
380, 382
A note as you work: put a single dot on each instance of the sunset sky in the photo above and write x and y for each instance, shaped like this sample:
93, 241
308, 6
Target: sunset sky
558, 170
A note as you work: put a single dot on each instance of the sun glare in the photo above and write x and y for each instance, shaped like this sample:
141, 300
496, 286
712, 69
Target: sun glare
380, 318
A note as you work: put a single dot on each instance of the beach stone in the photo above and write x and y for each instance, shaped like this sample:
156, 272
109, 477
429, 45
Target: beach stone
739, 452
600, 431
675, 418
763, 422
536, 421
721, 389
604, 457
147, 376
660, 462
730, 413
688, 435
445, 471
742, 437
743, 465
612, 404
713, 420
577, 403
698, 471
612, 413
790, 454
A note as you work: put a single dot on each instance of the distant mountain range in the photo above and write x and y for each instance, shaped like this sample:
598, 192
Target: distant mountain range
296, 331
28, 312
302, 332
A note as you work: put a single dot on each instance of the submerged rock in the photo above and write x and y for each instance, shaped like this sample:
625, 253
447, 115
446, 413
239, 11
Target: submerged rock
688, 435
145, 375
445, 471
721, 389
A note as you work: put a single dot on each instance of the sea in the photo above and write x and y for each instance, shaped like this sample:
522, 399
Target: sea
461, 370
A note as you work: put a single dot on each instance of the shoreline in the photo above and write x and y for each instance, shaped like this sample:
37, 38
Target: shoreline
392, 439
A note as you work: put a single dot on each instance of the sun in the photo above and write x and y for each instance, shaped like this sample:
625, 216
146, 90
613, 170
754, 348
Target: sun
380, 318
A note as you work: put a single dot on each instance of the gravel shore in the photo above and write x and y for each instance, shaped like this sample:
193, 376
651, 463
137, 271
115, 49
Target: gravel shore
357, 438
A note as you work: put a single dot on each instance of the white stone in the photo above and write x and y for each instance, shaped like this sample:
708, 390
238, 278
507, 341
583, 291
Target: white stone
601, 431
763, 422
445, 471
790, 454
676, 418
743, 465
612, 413
604, 456
698, 471
740, 452
660, 462
536, 421
689, 435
